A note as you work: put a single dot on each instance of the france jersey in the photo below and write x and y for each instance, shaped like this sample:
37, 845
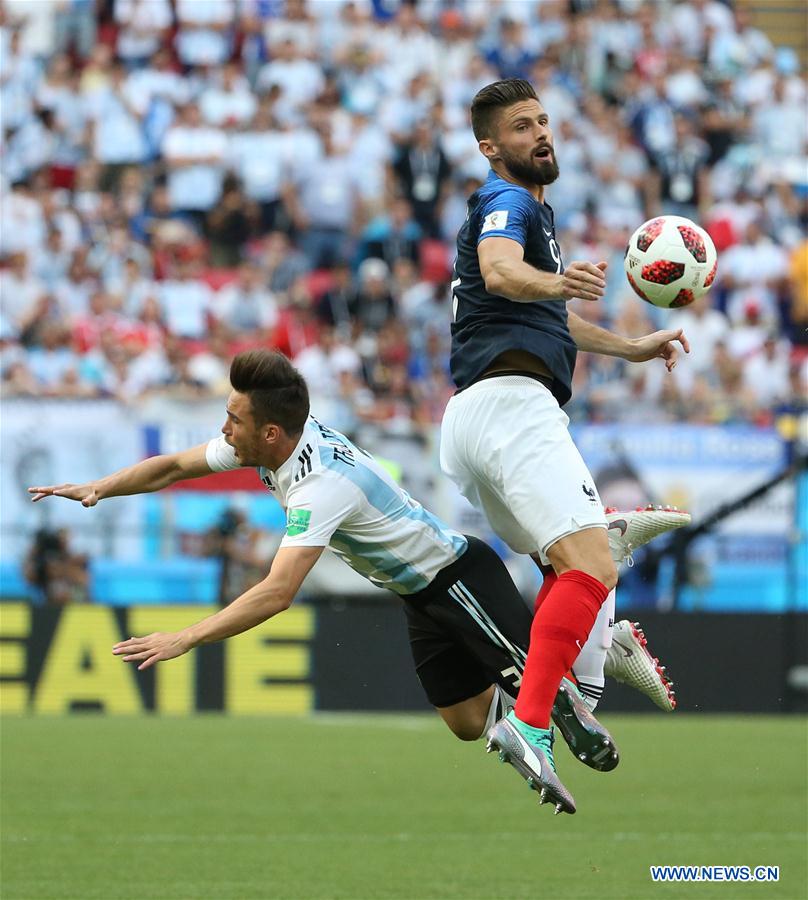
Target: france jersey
486, 325
336, 495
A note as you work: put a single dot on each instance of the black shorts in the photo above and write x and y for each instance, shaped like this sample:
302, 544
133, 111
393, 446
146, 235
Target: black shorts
469, 629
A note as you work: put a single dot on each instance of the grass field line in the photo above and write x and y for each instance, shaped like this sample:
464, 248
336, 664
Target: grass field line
397, 837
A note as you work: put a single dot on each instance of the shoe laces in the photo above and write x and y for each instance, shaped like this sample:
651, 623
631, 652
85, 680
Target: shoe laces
628, 559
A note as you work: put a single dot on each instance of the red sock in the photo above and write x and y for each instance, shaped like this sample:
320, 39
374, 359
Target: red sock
559, 631
550, 578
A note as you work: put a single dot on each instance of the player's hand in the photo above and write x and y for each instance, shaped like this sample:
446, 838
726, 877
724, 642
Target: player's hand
660, 344
86, 493
152, 649
584, 281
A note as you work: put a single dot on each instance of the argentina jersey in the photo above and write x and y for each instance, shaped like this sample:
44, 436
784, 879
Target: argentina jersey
336, 495
486, 325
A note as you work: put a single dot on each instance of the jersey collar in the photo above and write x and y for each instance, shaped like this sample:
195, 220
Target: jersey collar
283, 475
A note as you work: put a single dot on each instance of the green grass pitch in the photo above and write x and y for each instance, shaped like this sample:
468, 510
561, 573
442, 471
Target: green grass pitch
389, 807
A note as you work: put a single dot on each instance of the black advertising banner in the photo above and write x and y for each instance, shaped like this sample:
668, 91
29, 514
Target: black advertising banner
336, 655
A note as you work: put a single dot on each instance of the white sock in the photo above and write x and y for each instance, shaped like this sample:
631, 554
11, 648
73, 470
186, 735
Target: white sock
501, 702
588, 668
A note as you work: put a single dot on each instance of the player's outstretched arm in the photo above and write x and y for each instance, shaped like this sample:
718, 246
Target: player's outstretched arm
506, 274
661, 344
144, 477
262, 601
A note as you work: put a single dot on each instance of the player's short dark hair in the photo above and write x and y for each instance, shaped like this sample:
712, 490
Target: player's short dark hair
277, 391
486, 105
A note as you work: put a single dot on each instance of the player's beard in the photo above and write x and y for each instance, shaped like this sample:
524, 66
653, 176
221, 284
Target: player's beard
539, 172
246, 455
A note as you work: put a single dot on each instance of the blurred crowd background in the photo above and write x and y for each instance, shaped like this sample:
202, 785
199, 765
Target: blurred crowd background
181, 180
184, 179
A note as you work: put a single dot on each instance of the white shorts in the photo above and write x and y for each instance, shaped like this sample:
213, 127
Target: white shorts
505, 444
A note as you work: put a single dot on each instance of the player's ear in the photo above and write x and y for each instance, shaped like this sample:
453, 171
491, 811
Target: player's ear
488, 150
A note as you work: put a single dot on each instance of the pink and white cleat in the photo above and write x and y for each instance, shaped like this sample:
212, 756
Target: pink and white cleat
629, 530
629, 661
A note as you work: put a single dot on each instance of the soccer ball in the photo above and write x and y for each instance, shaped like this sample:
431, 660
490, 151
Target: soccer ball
670, 261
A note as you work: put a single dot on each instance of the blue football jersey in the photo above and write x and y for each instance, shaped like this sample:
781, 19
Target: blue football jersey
486, 325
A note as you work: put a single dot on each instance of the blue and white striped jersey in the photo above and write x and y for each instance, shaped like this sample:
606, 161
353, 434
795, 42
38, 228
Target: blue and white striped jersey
336, 495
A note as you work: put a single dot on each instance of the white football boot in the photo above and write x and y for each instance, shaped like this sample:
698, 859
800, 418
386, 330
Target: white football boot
629, 661
629, 530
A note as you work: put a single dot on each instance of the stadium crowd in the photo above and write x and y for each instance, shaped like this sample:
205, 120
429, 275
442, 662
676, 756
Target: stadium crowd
182, 180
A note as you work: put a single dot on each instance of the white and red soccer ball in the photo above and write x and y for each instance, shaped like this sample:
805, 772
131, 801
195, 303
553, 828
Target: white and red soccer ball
670, 261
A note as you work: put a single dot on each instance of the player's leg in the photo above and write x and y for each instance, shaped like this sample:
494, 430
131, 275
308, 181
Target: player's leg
628, 658
510, 441
481, 608
454, 681
588, 667
562, 624
629, 662
470, 719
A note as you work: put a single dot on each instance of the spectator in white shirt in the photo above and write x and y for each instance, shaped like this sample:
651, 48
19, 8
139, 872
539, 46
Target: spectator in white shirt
300, 79
211, 366
689, 23
73, 292
51, 361
51, 266
186, 301
37, 22
705, 327
75, 27
57, 92
370, 151
227, 100
754, 271
261, 156
160, 80
20, 290
22, 225
322, 363
118, 129
142, 27
423, 51
298, 23
766, 374
325, 205
195, 155
361, 85
18, 81
246, 309
132, 286
204, 31
781, 125
31, 147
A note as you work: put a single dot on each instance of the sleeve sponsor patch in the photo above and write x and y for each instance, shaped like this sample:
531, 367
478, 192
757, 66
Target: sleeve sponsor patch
297, 521
495, 221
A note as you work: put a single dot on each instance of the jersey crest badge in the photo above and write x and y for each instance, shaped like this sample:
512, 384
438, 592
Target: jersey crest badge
297, 521
495, 221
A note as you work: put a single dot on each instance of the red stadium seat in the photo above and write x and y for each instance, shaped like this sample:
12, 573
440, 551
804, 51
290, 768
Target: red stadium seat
435, 264
318, 282
218, 278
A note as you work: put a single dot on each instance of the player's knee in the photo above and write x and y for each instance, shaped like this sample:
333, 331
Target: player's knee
466, 727
603, 569
468, 731
606, 574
